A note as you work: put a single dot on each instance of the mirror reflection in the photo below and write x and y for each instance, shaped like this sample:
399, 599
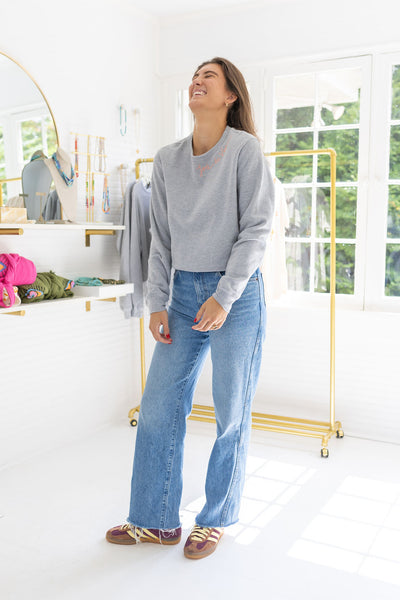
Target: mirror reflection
27, 131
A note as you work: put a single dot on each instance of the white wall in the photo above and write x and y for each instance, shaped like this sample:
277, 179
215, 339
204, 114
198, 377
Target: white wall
276, 30
295, 373
67, 372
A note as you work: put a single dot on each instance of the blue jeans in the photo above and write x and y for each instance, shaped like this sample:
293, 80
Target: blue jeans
167, 401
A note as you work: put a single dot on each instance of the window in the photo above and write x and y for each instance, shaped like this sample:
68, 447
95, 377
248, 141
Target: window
392, 268
36, 132
21, 134
315, 110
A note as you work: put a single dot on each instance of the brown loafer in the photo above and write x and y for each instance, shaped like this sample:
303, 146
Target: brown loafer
128, 535
202, 541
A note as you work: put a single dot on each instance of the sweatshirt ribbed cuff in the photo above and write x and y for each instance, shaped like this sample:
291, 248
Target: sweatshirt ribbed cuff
224, 302
156, 307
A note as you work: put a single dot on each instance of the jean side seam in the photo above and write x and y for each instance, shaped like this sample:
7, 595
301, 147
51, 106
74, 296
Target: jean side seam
235, 477
171, 455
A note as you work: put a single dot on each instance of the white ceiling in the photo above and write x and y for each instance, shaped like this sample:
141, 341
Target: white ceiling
167, 8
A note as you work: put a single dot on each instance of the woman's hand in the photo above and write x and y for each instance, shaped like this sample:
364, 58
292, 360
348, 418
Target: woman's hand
211, 316
158, 319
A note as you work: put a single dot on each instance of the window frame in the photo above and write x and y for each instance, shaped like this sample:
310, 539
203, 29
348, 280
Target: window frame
381, 109
288, 68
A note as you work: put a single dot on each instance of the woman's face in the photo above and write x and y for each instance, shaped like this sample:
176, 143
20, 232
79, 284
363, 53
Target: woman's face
208, 89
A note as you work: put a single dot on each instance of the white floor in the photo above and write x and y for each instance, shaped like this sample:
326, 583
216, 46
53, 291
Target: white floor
310, 527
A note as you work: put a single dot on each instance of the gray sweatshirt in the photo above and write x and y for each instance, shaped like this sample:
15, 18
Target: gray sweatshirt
211, 212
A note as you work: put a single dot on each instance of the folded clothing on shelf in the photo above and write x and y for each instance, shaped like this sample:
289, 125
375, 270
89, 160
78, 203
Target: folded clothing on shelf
14, 270
112, 281
47, 286
7, 299
97, 281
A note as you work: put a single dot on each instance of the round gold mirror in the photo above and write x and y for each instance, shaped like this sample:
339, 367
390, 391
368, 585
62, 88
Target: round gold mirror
27, 125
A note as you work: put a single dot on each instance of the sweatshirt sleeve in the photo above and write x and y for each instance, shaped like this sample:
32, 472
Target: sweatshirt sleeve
255, 197
159, 274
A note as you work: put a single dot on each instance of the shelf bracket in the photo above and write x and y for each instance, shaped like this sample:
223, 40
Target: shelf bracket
12, 231
88, 305
89, 232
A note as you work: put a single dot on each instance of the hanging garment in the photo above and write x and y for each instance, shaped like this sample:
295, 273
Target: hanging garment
133, 245
273, 266
52, 209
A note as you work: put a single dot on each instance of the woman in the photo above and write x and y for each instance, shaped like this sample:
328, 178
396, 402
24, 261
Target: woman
212, 206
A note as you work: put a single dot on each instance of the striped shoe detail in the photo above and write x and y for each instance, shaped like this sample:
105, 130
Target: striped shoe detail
145, 535
129, 534
202, 541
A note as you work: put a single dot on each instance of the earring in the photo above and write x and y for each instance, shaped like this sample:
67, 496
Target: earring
227, 104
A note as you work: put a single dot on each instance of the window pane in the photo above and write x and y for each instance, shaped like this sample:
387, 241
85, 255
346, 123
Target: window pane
322, 268
394, 172
339, 96
298, 166
345, 262
294, 117
298, 266
392, 276
345, 142
396, 92
346, 212
341, 114
298, 202
393, 223
31, 134
294, 100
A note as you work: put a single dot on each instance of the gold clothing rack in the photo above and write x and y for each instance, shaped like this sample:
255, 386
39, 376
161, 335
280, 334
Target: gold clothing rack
266, 422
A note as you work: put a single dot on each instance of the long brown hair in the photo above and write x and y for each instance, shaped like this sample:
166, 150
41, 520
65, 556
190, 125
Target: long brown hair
240, 112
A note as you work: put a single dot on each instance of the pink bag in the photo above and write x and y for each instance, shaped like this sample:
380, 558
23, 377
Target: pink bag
14, 270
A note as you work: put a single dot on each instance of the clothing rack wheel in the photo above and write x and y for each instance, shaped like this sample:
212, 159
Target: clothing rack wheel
131, 416
274, 423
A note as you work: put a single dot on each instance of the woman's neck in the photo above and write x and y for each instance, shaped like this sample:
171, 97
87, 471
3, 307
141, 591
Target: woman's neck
206, 134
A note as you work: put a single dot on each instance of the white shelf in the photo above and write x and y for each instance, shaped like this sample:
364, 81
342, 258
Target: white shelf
60, 226
108, 291
92, 292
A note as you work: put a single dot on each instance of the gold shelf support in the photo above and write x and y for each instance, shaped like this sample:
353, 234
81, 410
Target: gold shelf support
88, 302
12, 231
281, 424
89, 232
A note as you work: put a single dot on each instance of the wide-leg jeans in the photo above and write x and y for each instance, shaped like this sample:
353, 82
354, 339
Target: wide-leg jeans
167, 401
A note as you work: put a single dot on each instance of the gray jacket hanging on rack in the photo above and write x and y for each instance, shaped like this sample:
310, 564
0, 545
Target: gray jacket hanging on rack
133, 245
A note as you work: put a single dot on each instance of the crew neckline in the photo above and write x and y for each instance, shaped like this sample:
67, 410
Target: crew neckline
215, 147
